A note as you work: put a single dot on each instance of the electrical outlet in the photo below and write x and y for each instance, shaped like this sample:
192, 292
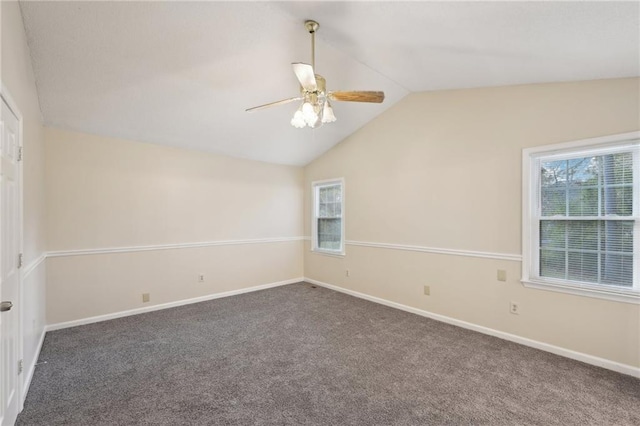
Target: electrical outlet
201, 278
514, 308
146, 297
502, 275
427, 290
347, 273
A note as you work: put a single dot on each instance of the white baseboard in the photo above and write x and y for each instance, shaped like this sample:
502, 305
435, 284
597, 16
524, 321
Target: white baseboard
106, 317
31, 369
579, 356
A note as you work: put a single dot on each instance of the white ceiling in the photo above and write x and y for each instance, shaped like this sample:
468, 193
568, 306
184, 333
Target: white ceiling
182, 74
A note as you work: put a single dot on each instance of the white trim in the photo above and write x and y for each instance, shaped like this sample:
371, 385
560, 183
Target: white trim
84, 252
579, 356
33, 265
328, 253
597, 291
602, 141
32, 368
106, 317
435, 250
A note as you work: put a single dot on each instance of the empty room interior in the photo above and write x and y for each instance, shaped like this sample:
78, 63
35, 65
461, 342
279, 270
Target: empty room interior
320, 213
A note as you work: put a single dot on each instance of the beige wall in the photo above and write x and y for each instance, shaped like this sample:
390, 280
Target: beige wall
105, 193
443, 170
18, 79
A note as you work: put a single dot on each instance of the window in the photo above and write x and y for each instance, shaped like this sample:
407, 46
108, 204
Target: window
328, 208
581, 217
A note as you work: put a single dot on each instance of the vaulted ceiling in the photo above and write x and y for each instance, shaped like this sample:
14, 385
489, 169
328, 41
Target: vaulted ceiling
182, 73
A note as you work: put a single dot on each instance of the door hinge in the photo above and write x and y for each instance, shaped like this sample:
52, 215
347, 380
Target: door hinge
20, 260
19, 153
20, 366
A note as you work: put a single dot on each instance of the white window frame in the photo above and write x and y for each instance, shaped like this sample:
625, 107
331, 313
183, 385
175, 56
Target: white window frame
531, 222
315, 191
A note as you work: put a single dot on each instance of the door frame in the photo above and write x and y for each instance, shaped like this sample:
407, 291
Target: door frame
6, 97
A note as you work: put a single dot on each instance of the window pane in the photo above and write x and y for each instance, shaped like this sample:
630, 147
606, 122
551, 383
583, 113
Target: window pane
617, 200
323, 194
552, 264
337, 227
617, 236
583, 176
617, 269
331, 207
583, 267
552, 233
583, 171
583, 201
617, 192
554, 187
323, 226
583, 234
553, 173
554, 201
618, 168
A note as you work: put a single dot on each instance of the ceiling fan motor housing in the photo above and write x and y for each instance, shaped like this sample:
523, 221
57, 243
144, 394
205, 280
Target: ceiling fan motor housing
321, 84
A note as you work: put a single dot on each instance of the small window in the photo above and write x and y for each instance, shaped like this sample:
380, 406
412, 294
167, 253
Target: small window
328, 223
581, 217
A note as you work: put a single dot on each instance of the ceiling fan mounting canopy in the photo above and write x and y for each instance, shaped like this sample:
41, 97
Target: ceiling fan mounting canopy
316, 109
311, 26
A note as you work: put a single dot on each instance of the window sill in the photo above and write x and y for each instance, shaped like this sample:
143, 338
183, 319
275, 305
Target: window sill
598, 292
328, 253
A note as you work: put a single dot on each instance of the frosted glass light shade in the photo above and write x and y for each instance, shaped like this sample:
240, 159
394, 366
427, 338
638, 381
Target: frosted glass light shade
298, 120
327, 113
309, 113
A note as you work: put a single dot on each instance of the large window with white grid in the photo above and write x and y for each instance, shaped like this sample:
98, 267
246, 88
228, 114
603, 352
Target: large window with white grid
581, 217
328, 222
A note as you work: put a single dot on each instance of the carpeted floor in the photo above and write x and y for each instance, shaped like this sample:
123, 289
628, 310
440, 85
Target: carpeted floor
299, 355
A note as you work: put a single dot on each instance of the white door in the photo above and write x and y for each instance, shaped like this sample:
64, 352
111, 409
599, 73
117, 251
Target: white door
9, 273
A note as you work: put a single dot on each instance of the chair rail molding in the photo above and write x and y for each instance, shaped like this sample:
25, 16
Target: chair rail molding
33, 265
434, 250
128, 249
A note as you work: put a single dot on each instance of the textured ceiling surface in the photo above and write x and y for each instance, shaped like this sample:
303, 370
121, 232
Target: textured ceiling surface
182, 73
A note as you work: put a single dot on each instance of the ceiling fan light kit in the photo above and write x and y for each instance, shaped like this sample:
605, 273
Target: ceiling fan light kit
315, 109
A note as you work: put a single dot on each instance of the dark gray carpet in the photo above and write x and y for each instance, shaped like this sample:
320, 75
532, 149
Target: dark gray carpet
298, 355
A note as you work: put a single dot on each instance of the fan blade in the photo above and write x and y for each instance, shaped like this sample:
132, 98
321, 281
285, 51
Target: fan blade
306, 76
282, 102
376, 97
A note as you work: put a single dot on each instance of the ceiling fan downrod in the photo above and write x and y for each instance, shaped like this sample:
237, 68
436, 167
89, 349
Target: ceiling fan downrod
312, 27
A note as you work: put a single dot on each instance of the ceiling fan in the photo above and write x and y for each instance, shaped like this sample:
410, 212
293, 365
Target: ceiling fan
315, 108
